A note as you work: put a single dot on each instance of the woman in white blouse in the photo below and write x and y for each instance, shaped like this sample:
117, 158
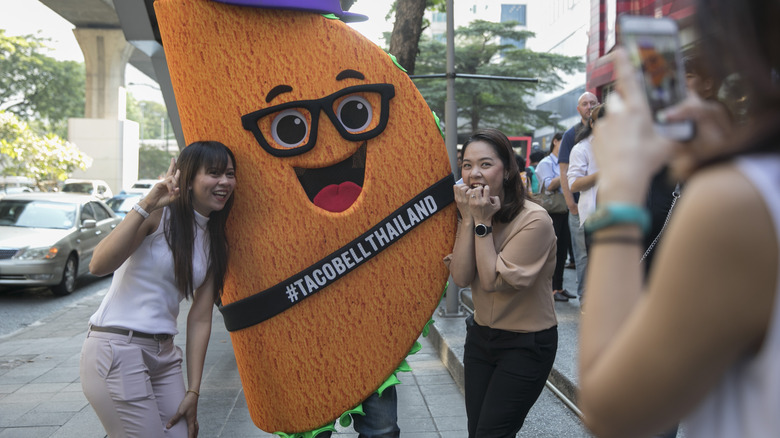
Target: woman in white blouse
583, 171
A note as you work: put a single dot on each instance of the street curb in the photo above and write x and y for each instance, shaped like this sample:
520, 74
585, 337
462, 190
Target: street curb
448, 334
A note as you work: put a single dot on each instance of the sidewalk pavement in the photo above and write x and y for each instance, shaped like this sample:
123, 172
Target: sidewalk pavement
40, 391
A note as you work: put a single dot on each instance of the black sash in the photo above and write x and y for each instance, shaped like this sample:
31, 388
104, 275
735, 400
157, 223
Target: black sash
276, 299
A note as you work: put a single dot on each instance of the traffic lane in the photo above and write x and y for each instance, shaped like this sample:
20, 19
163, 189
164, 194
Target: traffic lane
22, 307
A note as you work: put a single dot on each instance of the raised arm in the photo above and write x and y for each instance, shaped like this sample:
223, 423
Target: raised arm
706, 305
462, 263
112, 251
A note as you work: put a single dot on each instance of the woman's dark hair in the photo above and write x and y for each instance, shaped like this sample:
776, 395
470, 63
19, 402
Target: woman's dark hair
742, 37
180, 230
557, 136
514, 192
596, 112
520, 163
537, 156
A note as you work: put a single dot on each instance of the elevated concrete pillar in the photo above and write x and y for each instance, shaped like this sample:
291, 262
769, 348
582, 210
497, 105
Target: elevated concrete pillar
104, 133
106, 53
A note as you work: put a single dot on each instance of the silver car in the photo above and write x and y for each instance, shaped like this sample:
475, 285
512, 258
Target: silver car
47, 239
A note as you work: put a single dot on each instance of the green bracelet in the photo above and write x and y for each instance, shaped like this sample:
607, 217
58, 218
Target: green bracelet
615, 213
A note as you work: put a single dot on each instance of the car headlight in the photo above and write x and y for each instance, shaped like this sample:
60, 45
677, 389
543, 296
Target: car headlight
44, 252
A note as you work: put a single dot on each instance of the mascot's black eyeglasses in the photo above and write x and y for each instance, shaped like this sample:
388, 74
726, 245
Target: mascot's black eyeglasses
291, 128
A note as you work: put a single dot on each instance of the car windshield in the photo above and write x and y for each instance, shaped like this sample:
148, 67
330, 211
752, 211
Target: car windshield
37, 214
122, 205
77, 188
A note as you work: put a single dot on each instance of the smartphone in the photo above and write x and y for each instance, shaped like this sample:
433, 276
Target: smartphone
653, 45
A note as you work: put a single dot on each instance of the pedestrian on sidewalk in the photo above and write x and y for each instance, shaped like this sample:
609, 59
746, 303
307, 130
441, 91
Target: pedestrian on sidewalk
550, 180
585, 104
505, 250
169, 247
703, 342
583, 173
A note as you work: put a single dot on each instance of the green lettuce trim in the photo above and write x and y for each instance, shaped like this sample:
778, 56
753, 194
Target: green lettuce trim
395, 61
346, 418
441, 132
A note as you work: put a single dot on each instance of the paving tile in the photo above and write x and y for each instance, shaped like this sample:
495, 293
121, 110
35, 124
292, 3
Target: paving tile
61, 406
32, 388
424, 424
454, 423
34, 419
28, 432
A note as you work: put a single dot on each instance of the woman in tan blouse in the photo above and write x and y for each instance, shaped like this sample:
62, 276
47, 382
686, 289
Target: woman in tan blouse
505, 250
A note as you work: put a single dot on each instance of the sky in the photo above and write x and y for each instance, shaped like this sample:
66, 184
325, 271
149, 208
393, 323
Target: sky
24, 17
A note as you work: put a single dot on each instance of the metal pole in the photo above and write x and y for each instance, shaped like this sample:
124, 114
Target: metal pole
470, 76
452, 301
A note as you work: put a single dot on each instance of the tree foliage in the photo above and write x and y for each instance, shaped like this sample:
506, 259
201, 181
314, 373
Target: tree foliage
153, 162
42, 158
492, 103
38, 88
152, 118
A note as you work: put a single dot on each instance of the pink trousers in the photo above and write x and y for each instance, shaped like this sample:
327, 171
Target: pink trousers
135, 385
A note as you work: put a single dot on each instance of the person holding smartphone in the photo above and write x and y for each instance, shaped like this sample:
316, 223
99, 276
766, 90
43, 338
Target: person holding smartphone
653, 355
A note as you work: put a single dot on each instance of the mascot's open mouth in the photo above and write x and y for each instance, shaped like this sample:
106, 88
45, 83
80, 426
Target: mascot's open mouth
335, 188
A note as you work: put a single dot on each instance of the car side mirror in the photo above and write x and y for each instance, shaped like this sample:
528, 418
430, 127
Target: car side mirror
88, 223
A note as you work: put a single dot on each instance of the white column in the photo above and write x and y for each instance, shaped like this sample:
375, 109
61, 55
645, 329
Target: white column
104, 133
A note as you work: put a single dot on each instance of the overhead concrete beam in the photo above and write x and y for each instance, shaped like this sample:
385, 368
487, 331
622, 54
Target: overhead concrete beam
139, 24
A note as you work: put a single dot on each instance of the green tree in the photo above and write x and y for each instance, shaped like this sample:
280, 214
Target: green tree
152, 118
492, 103
153, 162
42, 158
38, 88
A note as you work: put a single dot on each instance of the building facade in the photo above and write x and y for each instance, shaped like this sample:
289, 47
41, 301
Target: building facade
603, 20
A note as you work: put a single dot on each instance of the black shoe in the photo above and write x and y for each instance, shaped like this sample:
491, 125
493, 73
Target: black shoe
557, 296
568, 294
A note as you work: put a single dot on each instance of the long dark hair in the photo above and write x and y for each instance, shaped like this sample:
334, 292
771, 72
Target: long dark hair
180, 230
514, 192
743, 37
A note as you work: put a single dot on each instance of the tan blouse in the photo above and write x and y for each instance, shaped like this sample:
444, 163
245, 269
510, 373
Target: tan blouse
523, 300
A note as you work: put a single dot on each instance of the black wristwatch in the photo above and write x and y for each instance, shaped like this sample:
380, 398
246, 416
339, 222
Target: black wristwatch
482, 230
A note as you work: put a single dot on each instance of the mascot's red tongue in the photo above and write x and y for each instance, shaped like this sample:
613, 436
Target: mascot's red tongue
337, 197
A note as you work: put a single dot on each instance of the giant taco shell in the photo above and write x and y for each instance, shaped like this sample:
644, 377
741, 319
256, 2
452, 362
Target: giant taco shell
314, 181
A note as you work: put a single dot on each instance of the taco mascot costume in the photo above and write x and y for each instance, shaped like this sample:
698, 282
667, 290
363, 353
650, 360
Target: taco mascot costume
344, 210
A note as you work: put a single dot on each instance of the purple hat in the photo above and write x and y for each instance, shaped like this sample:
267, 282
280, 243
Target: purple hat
318, 6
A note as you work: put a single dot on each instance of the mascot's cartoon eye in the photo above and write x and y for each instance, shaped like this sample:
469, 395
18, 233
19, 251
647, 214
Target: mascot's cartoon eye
355, 113
290, 128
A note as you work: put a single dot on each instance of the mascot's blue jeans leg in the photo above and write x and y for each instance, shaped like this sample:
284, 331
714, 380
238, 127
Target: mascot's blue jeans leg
381, 419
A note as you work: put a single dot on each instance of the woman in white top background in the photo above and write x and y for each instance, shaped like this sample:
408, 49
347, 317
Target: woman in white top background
171, 246
702, 342
583, 170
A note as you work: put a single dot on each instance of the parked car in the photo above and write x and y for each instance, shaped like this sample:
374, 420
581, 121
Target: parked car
16, 184
123, 202
142, 186
47, 239
94, 187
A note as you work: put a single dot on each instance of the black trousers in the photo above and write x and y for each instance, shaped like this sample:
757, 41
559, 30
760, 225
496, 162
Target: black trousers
505, 373
561, 226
